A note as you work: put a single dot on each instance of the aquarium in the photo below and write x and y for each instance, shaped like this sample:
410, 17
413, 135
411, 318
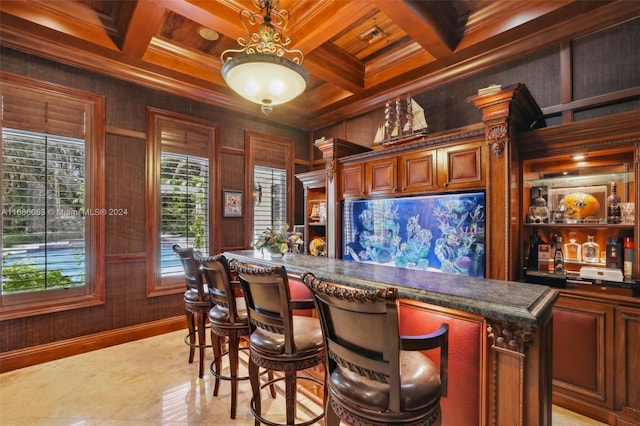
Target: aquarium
441, 233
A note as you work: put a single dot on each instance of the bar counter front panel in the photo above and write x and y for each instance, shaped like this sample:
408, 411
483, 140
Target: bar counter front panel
500, 333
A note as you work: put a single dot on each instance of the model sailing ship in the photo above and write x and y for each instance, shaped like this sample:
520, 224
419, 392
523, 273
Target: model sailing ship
404, 121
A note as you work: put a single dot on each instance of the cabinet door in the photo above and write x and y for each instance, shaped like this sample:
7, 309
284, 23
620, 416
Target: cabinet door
461, 167
418, 171
583, 350
353, 181
381, 176
628, 364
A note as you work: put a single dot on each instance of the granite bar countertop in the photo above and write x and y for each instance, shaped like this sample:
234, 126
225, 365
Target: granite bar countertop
503, 300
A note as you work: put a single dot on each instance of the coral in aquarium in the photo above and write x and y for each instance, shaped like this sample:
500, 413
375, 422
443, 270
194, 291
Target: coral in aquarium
381, 244
460, 248
437, 232
414, 251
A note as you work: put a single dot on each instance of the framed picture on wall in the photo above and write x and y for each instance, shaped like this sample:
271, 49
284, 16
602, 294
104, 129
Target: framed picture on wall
232, 203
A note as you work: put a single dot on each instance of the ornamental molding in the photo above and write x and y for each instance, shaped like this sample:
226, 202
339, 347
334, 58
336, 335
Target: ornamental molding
497, 137
432, 142
510, 336
330, 169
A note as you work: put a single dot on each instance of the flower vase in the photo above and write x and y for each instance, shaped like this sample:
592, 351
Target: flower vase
274, 252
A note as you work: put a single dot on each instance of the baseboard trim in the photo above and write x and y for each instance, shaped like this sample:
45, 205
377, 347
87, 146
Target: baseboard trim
583, 408
21, 358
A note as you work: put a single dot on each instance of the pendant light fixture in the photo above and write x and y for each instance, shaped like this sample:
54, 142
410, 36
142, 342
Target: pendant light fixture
264, 70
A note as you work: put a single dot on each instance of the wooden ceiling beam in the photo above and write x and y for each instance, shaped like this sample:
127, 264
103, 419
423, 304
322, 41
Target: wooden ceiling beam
185, 60
329, 63
221, 16
68, 21
312, 30
145, 21
521, 19
433, 24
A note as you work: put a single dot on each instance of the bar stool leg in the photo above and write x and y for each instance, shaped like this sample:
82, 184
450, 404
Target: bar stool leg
202, 341
191, 323
216, 343
291, 400
233, 370
254, 378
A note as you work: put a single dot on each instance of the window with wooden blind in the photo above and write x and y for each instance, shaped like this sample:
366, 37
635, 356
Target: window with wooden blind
269, 168
180, 155
52, 198
184, 207
271, 210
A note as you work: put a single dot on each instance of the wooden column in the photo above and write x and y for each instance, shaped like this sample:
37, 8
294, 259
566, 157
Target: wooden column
520, 356
519, 375
332, 149
505, 112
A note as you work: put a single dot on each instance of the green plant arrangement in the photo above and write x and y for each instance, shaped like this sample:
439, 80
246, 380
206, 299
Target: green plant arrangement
279, 242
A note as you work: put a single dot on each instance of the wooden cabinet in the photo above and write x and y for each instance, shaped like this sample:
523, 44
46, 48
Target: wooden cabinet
627, 360
573, 198
414, 170
583, 350
461, 167
371, 178
381, 176
596, 328
417, 171
596, 366
352, 183
315, 207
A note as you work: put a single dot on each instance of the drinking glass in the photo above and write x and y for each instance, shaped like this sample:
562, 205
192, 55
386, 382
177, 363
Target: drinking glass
627, 212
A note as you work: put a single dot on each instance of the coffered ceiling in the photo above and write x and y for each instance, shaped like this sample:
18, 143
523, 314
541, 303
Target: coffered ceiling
358, 53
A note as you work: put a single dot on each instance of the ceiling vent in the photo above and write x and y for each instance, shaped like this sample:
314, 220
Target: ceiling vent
372, 34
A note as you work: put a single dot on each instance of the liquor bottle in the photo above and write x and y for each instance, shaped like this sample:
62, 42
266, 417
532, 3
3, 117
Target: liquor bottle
572, 250
558, 261
539, 212
590, 250
553, 247
532, 260
613, 205
614, 253
628, 258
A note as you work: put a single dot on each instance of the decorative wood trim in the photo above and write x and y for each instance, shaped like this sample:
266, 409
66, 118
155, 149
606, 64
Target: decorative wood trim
610, 132
126, 257
510, 336
119, 131
21, 358
231, 151
497, 138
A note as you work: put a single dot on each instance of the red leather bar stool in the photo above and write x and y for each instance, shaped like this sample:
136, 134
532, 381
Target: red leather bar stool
197, 303
364, 353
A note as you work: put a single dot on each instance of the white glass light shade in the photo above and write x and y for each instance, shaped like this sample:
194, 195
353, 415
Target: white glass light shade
265, 79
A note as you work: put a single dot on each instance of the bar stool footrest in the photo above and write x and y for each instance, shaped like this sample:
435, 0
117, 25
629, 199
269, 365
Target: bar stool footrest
261, 419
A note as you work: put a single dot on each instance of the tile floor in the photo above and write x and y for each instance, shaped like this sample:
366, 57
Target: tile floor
147, 382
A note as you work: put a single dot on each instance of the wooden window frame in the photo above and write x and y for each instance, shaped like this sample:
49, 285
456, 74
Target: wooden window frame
93, 292
156, 284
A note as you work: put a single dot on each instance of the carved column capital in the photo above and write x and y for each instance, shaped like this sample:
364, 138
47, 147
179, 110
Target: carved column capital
330, 169
497, 138
510, 336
